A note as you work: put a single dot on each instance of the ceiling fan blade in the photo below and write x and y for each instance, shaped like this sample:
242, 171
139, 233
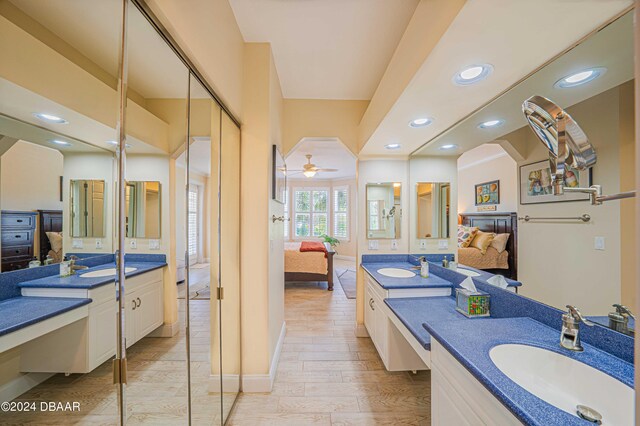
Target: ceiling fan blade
326, 170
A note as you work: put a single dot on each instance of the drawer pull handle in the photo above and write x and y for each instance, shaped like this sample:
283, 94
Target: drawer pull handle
134, 305
19, 220
18, 236
17, 251
139, 302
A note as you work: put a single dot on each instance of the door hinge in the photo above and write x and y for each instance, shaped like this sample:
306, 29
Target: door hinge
119, 371
220, 293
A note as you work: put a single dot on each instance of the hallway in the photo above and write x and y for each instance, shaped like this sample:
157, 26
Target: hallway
327, 376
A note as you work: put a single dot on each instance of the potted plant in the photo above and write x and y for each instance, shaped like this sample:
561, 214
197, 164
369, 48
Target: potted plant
333, 242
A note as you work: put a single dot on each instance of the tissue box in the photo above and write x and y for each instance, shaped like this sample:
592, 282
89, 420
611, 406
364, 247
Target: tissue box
472, 304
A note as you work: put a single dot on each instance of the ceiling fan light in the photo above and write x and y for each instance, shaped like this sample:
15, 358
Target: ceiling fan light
309, 173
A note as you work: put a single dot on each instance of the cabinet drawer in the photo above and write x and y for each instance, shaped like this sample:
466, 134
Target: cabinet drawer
17, 238
15, 265
10, 220
16, 251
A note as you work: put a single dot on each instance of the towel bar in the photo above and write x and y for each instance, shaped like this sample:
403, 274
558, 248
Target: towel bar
584, 218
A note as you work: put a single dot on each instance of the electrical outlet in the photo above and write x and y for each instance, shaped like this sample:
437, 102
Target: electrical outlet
98, 244
154, 244
423, 244
373, 244
394, 244
598, 243
443, 244
77, 244
133, 244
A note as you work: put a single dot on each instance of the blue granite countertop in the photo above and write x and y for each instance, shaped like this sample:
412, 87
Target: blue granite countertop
470, 341
414, 311
20, 312
390, 283
76, 280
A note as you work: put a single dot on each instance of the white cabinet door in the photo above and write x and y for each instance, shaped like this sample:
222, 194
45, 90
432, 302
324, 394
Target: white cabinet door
102, 332
369, 313
130, 318
381, 326
148, 309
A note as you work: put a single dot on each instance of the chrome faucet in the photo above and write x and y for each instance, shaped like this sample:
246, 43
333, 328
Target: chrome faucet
570, 334
619, 320
75, 267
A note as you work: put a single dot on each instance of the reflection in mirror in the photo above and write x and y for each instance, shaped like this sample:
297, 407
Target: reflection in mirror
143, 209
384, 210
58, 114
432, 218
593, 261
88, 208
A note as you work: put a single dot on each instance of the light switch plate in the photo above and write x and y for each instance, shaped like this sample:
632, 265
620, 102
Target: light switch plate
373, 244
598, 243
133, 244
394, 244
443, 244
98, 244
77, 244
423, 244
154, 244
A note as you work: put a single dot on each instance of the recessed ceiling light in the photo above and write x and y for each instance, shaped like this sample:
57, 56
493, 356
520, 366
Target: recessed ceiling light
449, 146
59, 142
578, 78
472, 74
50, 118
393, 146
420, 122
491, 123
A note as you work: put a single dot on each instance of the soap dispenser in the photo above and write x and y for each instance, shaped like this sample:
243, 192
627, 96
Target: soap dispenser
424, 267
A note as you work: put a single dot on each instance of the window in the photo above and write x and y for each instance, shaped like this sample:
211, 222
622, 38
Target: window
341, 212
193, 220
311, 209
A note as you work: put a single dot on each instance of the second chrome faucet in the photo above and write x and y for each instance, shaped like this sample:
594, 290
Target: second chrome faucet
570, 334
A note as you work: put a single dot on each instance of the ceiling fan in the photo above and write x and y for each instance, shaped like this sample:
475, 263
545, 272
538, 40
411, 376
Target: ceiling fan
310, 169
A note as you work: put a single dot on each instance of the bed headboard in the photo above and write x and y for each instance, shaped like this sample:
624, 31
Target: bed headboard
500, 223
48, 221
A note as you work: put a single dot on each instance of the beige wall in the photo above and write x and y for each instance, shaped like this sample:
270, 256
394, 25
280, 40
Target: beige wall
31, 178
503, 168
584, 277
347, 246
304, 118
207, 31
261, 241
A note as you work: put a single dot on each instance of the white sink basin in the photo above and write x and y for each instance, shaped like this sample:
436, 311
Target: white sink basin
105, 273
467, 272
396, 273
566, 383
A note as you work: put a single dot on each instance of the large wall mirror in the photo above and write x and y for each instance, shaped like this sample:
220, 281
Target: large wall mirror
143, 209
384, 210
432, 209
593, 261
88, 208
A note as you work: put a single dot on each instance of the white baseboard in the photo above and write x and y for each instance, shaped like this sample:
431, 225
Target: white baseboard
348, 258
21, 384
166, 330
263, 383
361, 331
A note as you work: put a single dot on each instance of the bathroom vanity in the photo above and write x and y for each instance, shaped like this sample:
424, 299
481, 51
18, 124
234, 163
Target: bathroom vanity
87, 338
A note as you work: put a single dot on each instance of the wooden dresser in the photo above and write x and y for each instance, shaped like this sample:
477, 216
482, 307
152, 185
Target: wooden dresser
17, 230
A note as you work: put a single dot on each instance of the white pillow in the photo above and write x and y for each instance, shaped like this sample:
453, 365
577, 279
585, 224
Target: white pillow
55, 238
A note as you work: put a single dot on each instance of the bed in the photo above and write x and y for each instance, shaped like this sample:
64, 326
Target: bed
48, 221
505, 263
308, 266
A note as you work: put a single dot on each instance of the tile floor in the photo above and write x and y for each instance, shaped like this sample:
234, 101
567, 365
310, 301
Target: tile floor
327, 376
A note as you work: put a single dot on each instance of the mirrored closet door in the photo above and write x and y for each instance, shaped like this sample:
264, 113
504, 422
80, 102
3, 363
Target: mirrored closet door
58, 118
